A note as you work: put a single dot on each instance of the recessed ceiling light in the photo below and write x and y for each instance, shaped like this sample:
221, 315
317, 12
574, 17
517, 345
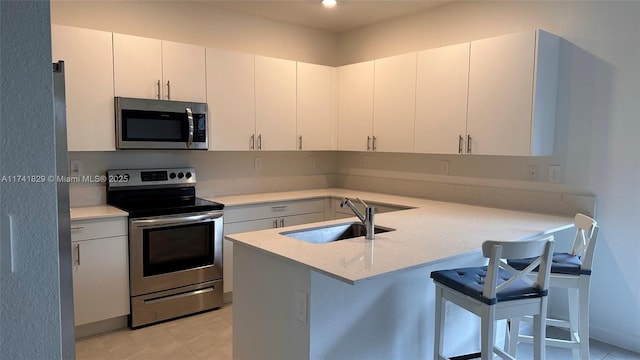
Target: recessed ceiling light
329, 3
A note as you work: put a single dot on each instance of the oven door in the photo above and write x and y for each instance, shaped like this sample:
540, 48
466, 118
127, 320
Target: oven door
168, 252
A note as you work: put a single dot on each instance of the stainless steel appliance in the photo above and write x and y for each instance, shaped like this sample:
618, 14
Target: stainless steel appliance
175, 243
160, 124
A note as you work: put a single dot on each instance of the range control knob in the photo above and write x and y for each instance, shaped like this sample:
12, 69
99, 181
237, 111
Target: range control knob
180, 175
188, 175
172, 175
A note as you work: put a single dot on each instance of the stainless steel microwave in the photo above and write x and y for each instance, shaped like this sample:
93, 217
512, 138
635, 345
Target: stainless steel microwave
160, 124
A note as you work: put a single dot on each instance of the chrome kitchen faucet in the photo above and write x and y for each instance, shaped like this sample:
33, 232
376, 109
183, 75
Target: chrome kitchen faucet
367, 219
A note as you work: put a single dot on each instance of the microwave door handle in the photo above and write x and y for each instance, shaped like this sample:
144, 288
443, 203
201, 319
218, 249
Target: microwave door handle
190, 119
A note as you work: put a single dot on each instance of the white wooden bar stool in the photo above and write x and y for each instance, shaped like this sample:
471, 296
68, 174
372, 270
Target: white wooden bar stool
497, 291
571, 271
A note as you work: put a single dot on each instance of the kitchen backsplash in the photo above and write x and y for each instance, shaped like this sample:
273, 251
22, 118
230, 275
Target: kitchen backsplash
231, 173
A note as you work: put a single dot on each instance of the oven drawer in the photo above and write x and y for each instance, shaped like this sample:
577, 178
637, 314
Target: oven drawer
165, 305
98, 228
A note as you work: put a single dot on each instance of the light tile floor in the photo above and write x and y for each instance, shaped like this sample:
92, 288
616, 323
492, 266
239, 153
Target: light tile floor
207, 336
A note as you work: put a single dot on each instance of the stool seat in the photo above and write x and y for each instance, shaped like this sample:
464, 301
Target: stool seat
496, 291
470, 281
562, 263
570, 271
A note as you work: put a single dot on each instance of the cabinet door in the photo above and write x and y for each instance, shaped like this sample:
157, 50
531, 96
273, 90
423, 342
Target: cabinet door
394, 103
231, 100
275, 103
355, 106
88, 62
183, 72
315, 107
441, 99
137, 66
100, 279
501, 94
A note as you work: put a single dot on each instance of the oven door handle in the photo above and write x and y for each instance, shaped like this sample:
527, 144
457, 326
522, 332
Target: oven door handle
178, 220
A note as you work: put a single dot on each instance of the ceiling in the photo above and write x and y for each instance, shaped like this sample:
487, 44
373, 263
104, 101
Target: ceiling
346, 15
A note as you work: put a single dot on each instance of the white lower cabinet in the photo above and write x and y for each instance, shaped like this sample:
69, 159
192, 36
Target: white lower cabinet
264, 216
100, 269
340, 213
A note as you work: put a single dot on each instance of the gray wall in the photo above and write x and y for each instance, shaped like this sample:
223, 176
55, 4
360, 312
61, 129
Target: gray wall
29, 288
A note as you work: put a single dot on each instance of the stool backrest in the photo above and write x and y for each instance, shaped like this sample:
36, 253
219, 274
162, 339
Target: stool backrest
585, 240
500, 251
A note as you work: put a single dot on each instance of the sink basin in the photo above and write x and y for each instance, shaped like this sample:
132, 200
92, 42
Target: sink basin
325, 234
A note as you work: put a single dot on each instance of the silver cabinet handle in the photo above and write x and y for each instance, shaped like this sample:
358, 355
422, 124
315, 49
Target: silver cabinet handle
460, 143
300, 146
374, 143
78, 254
275, 223
252, 142
468, 144
168, 90
159, 90
77, 228
368, 143
260, 142
282, 222
190, 120
279, 208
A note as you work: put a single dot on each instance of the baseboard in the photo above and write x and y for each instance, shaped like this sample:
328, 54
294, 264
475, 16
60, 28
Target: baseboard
227, 297
100, 327
629, 342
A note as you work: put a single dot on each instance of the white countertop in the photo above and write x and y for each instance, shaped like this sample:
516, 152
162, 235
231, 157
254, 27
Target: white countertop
426, 235
95, 212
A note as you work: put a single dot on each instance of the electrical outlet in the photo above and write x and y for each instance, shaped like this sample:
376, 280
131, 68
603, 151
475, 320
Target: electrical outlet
312, 162
300, 306
367, 162
257, 163
554, 173
533, 172
76, 168
444, 167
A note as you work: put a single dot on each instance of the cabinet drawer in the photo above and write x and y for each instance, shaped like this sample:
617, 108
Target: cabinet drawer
98, 228
270, 210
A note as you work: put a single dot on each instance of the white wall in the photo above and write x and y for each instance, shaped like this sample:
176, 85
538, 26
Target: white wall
198, 23
597, 133
29, 290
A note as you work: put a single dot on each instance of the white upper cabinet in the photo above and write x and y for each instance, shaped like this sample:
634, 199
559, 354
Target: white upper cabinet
156, 69
231, 100
316, 107
394, 102
275, 102
355, 106
88, 60
441, 100
183, 72
512, 94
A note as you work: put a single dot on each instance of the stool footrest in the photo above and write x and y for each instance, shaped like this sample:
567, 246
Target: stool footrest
567, 344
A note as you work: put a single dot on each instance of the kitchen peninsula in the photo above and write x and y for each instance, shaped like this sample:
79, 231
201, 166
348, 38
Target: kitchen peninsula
363, 299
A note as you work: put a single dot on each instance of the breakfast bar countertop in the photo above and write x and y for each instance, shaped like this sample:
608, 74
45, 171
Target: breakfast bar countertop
430, 232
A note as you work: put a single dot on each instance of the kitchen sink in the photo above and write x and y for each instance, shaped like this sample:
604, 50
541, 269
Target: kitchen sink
330, 233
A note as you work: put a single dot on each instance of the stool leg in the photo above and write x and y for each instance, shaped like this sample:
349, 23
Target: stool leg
574, 320
539, 331
488, 332
514, 331
583, 296
439, 324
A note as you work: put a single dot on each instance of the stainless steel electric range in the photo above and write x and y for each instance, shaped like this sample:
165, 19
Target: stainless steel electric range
175, 243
